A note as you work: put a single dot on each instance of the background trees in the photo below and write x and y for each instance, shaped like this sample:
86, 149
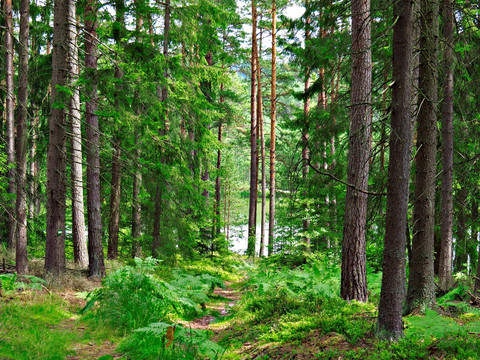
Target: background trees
160, 90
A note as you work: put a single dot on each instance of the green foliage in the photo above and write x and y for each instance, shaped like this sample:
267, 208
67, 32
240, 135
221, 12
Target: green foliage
167, 341
133, 297
11, 282
291, 302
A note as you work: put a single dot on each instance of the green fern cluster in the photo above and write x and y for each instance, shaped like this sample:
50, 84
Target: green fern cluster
11, 282
142, 306
133, 297
152, 343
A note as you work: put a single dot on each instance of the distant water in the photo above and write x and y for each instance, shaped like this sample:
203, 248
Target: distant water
239, 238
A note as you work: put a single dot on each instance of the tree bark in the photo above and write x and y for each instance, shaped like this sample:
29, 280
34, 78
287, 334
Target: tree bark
305, 132
136, 205
392, 296
461, 254
80, 254
116, 183
95, 247
10, 132
263, 239
475, 241
156, 221
445, 278
273, 115
56, 155
21, 259
354, 276
219, 163
421, 292
252, 221
115, 193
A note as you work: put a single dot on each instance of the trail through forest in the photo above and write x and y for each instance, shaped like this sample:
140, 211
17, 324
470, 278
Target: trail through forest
225, 300
228, 296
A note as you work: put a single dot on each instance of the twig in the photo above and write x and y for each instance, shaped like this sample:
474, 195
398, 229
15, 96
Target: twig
344, 182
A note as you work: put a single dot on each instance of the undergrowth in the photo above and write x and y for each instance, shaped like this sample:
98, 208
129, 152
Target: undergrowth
289, 309
141, 306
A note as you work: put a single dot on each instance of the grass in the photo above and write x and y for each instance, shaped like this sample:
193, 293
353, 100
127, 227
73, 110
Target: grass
31, 327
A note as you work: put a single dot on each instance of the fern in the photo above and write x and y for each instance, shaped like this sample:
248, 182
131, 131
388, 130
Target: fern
167, 341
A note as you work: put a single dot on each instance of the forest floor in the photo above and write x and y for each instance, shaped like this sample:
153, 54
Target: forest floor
263, 312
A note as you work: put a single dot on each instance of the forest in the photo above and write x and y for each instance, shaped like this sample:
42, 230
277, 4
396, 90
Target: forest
213, 179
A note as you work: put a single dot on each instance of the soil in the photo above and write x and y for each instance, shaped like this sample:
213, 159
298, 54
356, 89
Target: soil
230, 295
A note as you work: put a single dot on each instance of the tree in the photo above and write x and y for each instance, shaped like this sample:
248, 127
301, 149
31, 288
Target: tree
252, 207
305, 134
56, 155
273, 114
80, 254
445, 279
115, 188
263, 239
421, 292
354, 276
21, 260
392, 296
95, 248
9, 121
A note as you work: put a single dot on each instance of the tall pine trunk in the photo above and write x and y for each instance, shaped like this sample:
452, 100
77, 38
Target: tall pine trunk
116, 183
10, 132
252, 207
421, 291
136, 205
115, 193
445, 279
80, 254
263, 181
95, 248
305, 131
273, 115
392, 296
56, 155
21, 259
354, 275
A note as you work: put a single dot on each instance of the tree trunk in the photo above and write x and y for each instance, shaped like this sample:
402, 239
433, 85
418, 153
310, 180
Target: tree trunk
56, 155
80, 254
95, 247
21, 259
217, 180
273, 111
263, 180
305, 132
354, 275
445, 279
115, 193
392, 296
421, 292
34, 204
136, 205
10, 132
461, 257
475, 241
116, 185
156, 221
252, 221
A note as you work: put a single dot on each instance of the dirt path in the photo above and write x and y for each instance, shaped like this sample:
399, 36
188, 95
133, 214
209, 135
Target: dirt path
84, 350
230, 295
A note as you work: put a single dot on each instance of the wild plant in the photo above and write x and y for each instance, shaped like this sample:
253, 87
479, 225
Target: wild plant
167, 341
